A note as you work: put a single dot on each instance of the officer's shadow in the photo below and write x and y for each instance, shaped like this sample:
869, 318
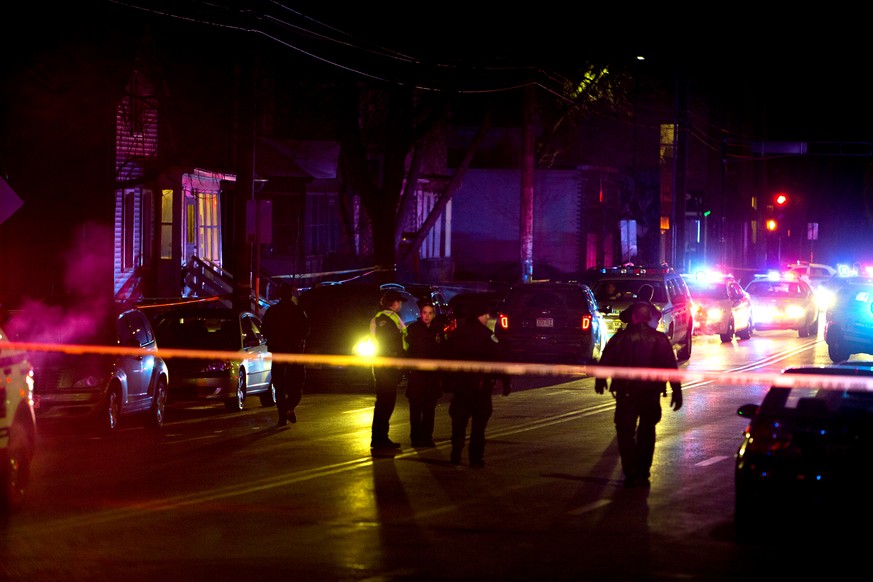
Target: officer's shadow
612, 518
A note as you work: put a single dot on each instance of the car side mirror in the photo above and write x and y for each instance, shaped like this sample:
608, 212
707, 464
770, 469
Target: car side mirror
747, 410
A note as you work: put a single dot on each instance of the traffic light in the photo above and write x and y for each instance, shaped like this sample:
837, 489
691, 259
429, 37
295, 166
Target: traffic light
781, 199
771, 224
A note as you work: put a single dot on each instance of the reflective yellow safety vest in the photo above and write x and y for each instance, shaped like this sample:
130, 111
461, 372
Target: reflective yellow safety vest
395, 317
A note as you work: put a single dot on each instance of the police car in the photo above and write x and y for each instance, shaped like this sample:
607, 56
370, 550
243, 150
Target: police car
849, 325
17, 425
617, 288
781, 301
721, 305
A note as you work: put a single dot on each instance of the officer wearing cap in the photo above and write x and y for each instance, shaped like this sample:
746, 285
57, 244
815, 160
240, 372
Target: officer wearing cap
389, 334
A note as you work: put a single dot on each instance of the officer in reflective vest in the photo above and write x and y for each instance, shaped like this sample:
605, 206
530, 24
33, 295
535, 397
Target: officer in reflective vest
389, 334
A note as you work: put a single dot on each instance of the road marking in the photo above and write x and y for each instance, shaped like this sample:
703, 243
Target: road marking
712, 461
590, 507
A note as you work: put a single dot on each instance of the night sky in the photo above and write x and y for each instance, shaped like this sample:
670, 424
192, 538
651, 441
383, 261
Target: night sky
790, 75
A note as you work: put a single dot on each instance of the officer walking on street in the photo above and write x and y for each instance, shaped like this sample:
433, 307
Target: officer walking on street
471, 402
286, 327
389, 334
637, 402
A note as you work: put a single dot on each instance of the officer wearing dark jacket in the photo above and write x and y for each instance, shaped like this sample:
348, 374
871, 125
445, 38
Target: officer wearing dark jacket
637, 402
645, 294
424, 388
286, 327
389, 333
473, 340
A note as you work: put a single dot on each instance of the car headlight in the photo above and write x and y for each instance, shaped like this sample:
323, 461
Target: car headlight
714, 313
90, 382
795, 311
824, 298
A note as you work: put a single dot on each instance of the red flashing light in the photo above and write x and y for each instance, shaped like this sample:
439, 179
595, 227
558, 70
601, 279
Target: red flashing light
781, 199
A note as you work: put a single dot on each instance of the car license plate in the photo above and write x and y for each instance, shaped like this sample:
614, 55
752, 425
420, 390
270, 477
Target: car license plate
545, 322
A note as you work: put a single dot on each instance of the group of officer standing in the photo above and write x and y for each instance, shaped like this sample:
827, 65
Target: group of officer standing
430, 338
637, 412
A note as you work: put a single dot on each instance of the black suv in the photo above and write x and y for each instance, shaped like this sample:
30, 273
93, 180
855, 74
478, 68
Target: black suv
339, 317
849, 321
616, 288
551, 322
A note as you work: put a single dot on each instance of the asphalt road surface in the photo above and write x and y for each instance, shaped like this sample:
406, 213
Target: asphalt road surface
222, 496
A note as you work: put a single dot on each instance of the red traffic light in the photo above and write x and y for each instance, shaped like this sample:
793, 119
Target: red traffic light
781, 199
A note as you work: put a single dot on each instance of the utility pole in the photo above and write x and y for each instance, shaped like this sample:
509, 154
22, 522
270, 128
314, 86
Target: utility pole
680, 158
527, 184
244, 190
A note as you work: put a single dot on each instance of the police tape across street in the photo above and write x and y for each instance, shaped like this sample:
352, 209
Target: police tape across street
511, 368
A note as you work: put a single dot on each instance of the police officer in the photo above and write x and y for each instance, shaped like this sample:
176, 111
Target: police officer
645, 294
389, 334
637, 402
286, 327
471, 402
425, 338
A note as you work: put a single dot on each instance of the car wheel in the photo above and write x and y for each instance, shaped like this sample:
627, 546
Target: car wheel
268, 398
111, 411
159, 405
684, 352
15, 468
729, 335
837, 352
746, 333
803, 331
238, 401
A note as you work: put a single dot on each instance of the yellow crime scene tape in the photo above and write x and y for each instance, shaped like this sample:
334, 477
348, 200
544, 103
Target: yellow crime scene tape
784, 380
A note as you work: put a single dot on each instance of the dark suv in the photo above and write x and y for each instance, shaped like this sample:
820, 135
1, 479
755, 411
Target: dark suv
849, 325
616, 288
339, 316
551, 322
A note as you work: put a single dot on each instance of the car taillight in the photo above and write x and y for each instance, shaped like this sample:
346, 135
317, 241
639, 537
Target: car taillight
586, 322
767, 438
504, 321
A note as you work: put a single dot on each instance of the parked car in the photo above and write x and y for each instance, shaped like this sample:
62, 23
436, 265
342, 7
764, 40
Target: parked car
340, 314
99, 384
617, 288
780, 302
216, 377
551, 322
461, 302
813, 273
721, 306
805, 455
17, 426
849, 321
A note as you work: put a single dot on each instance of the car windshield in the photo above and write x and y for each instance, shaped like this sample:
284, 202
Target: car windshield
818, 401
198, 332
608, 290
703, 291
541, 298
775, 289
